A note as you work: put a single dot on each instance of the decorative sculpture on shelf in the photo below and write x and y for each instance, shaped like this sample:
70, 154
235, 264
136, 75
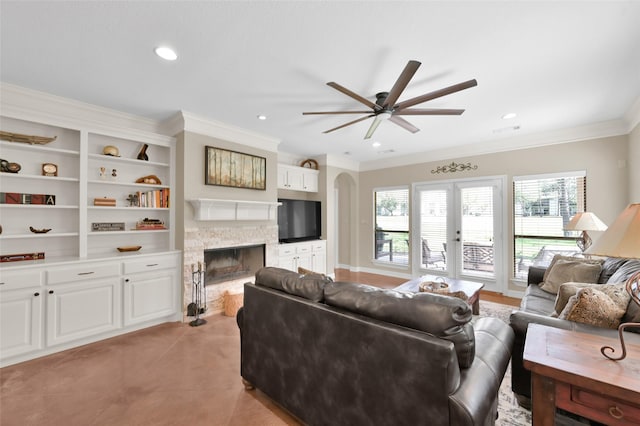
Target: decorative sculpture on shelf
142, 155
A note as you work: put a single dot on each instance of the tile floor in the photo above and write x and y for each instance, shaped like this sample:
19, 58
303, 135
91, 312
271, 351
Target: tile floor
171, 374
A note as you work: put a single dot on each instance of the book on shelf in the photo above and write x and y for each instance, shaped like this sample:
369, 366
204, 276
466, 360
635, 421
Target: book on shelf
22, 256
149, 224
21, 198
158, 198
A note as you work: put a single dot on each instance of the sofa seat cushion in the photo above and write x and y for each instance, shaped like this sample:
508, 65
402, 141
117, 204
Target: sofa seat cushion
445, 317
310, 286
563, 269
537, 301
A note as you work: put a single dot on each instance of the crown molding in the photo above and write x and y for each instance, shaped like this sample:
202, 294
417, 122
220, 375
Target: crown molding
32, 105
188, 122
556, 137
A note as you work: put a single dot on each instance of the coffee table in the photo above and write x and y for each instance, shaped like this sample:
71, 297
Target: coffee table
470, 288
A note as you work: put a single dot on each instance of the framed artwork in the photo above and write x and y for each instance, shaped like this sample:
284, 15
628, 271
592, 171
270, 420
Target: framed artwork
234, 169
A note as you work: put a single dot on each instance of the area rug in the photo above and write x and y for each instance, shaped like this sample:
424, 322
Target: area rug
509, 412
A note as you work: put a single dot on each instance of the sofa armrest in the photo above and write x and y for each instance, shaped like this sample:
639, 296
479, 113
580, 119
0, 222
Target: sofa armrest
536, 274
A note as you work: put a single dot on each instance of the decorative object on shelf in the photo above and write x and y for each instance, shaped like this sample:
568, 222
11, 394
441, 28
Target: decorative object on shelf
124, 249
17, 137
111, 151
310, 163
454, 167
133, 200
142, 155
149, 224
151, 180
20, 198
198, 303
234, 169
585, 221
106, 202
22, 256
102, 172
9, 167
39, 231
621, 239
49, 169
114, 174
107, 226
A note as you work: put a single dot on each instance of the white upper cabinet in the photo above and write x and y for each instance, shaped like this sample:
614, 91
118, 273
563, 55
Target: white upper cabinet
297, 178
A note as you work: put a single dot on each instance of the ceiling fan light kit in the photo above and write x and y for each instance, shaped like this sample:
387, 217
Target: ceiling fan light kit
386, 108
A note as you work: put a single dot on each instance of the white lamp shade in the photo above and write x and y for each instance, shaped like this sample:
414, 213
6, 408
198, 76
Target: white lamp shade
622, 238
585, 221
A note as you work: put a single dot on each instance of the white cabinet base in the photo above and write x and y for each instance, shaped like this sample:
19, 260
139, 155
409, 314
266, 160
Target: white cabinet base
309, 255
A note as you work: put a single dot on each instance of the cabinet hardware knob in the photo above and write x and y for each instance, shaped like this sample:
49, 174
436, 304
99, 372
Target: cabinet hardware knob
50, 291
1, 283
126, 280
616, 412
152, 264
85, 273
36, 294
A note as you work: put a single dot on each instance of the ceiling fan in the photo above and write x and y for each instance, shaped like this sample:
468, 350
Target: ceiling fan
386, 108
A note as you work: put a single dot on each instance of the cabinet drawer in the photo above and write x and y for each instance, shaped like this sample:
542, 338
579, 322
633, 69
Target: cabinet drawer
306, 248
286, 250
597, 406
82, 272
11, 280
150, 264
318, 246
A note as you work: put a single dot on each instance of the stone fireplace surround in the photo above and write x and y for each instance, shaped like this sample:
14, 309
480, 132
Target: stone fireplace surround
211, 236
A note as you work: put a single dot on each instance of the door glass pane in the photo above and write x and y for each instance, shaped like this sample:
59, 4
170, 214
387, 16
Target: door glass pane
392, 226
433, 229
477, 229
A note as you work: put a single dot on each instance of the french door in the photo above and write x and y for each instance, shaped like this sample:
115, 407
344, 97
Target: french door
457, 230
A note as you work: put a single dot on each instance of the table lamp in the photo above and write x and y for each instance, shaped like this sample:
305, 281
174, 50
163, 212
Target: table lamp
622, 239
585, 221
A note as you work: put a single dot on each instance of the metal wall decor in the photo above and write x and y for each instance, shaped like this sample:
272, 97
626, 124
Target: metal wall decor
454, 167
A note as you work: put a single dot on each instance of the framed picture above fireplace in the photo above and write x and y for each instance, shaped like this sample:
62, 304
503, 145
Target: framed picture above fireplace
235, 169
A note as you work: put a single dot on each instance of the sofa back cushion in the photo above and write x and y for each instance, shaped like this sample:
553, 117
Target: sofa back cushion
565, 269
444, 317
624, 272
309, 286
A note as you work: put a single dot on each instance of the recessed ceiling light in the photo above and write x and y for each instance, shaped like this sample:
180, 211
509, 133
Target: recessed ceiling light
166, 53
262, 117
375, 144
509, 115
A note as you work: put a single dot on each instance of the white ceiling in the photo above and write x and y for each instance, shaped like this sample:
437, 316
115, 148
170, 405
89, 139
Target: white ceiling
559, 65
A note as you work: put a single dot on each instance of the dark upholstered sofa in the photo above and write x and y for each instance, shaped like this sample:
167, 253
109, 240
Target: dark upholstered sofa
537, 306
339, 353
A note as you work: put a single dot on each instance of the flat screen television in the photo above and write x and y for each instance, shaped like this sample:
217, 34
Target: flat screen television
299, 220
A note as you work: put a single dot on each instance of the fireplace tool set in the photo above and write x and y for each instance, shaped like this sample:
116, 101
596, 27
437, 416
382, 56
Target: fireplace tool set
198, 303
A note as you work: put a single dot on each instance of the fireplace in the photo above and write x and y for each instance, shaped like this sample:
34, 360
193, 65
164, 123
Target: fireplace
232, 263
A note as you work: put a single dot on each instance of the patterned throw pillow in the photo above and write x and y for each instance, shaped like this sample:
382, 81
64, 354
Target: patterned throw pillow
563, 270
616, 292
593, 307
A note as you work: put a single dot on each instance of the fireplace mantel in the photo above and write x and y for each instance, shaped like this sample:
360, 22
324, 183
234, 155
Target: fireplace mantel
213, 209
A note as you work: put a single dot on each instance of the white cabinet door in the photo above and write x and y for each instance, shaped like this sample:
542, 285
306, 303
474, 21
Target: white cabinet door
149, 296
319, 262
310, 180
76, 311
288, 262
20, 321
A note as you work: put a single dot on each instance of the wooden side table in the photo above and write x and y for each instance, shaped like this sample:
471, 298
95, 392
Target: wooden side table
568, 371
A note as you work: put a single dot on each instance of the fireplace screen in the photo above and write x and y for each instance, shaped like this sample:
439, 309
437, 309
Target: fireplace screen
231, 263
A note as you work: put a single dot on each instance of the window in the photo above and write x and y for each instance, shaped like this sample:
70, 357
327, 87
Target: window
542, 206
391, 233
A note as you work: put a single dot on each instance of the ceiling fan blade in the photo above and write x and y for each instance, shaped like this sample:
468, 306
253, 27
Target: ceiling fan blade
350, 123
435, 94
428, 111
336, 112
373, 127
353, 95
401, 83
404, 124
